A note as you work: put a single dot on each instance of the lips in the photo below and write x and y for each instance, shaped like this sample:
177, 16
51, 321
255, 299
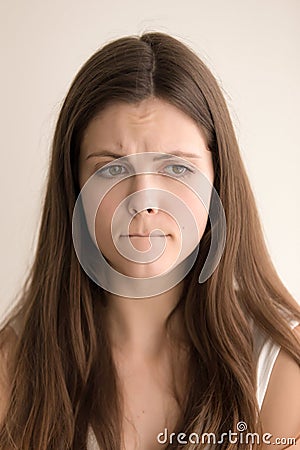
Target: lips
145, 235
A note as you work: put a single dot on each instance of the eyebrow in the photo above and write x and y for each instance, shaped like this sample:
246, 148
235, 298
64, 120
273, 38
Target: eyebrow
164, 155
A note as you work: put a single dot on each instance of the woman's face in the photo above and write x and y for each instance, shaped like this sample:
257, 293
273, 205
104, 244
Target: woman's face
126, 130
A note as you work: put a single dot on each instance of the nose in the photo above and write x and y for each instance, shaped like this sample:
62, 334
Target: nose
143, 199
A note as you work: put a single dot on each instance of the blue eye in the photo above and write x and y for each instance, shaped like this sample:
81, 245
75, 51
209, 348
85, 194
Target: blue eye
112, 171
117, 170
177, 170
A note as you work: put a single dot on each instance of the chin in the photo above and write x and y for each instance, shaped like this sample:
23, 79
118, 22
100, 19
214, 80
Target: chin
143, 270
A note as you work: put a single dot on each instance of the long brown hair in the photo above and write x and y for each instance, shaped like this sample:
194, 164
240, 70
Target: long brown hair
62, 373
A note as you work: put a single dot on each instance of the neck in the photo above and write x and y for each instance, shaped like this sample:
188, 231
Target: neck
137, 326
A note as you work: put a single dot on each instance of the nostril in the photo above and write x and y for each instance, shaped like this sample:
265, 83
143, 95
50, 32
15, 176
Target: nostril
151, 210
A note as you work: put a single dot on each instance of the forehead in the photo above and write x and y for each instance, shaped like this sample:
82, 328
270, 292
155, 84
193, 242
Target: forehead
152, 125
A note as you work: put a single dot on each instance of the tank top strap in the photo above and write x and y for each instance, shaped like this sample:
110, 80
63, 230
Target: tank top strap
266, 353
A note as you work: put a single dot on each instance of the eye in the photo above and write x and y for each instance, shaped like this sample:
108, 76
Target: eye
177, 170
112, 171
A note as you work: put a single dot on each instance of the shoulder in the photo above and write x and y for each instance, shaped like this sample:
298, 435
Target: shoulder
8, 340
280, 412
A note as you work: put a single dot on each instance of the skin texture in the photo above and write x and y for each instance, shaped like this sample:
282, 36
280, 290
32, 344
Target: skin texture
137, 327
151, 126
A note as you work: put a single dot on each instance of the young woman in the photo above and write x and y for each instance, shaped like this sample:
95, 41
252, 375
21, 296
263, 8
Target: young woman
115, 361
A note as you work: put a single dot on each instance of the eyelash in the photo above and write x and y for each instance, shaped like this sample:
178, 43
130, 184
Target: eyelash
187, 171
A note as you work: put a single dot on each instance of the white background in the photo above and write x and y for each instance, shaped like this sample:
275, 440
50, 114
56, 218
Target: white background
252, 47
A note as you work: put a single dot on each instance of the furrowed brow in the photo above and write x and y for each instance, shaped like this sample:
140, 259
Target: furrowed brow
178, 153
104, 153
162, 155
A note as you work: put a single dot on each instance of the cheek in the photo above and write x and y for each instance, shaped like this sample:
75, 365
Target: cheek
199, 215
103, 220
193, 208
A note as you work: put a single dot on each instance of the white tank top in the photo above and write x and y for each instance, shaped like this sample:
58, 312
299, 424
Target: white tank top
267, 352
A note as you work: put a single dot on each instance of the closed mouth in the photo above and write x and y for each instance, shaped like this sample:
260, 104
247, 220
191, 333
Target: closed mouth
145, 235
